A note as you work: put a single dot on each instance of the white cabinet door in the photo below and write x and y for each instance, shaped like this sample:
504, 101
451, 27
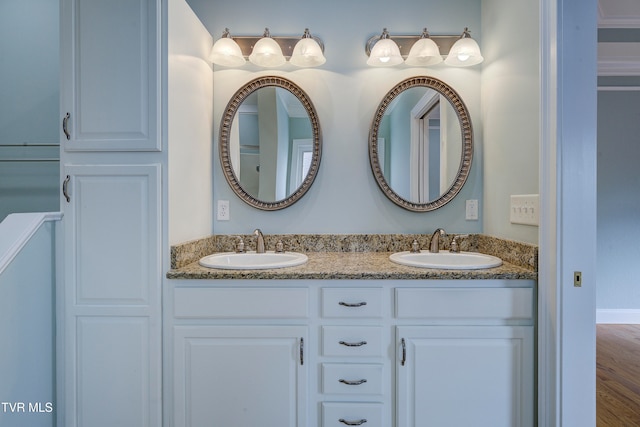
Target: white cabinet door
110, 86
109, 305
240, 376
479, 376
109, 300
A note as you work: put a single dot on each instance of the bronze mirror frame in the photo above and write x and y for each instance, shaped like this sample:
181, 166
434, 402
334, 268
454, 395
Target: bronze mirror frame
467, 142
224, 147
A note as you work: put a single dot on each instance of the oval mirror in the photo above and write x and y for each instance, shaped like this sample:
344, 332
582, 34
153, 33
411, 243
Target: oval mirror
421, 144
270, 143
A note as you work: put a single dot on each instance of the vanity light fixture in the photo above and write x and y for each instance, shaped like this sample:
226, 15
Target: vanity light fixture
307, 52
465, 52
268, 51
226, 51
423, 50
385, 52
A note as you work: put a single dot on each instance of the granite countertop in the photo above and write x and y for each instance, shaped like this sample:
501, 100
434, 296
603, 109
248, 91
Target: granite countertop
349, 257
353, 265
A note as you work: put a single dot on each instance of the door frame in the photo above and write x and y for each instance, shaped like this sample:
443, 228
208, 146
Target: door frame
567, 241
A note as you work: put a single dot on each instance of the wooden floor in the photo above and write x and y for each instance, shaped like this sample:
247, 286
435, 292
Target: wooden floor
618, 375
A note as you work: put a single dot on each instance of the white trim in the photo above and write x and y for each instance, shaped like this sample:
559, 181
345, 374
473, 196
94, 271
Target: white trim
548, 296
17, 229
299, 147
419, 158
576, 213
618, 67
618, 59
617, 22
618, 88
620, 316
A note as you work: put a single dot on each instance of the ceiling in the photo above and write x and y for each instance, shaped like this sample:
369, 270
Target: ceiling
619, 38
618, 14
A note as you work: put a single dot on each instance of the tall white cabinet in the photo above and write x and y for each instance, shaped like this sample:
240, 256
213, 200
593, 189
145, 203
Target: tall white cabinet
109, 290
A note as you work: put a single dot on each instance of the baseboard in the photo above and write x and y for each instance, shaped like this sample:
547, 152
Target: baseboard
620, 316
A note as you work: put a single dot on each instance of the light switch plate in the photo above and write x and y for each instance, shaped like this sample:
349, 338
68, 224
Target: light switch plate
524, 209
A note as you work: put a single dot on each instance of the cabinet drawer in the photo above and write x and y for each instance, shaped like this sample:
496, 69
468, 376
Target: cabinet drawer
336, 414
349, 303
461, 304
352, 341
343, 378
288, 303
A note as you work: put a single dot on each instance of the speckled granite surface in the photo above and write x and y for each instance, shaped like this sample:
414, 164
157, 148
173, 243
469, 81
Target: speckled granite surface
364, 256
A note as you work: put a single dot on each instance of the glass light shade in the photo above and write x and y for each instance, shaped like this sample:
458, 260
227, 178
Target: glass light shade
307, 53
464, 53
267, 53
226, 52
424, 52
384, 53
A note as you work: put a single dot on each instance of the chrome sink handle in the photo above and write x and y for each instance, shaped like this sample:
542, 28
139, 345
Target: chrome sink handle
240, 246
455, 246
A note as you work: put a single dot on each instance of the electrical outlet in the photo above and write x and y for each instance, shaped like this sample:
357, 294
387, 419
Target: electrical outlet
471, 210
223, 210
524, 209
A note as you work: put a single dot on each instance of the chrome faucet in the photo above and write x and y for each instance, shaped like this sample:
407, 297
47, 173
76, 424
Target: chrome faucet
259, 241
434, 244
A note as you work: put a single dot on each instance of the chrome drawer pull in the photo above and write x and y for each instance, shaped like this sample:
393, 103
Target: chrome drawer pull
65, 126
353, 344
65, 188
357, 304
353, 423
347, 382
301, 351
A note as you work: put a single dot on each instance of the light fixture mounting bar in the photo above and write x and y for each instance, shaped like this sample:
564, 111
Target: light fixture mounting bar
287, 44
444, 43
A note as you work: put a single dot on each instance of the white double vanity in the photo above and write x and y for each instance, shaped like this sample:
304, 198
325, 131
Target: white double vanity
333, 343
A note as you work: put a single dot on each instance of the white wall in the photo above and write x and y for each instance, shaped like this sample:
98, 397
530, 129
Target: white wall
618, 205
345, 91
27, 323
29, 104
190, 122
510, 111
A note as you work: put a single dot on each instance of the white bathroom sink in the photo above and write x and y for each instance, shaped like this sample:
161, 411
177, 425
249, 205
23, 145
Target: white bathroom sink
253, 261
446, 260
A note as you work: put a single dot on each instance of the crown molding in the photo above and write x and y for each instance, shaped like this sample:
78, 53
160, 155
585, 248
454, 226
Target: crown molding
618, 59
615, 14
